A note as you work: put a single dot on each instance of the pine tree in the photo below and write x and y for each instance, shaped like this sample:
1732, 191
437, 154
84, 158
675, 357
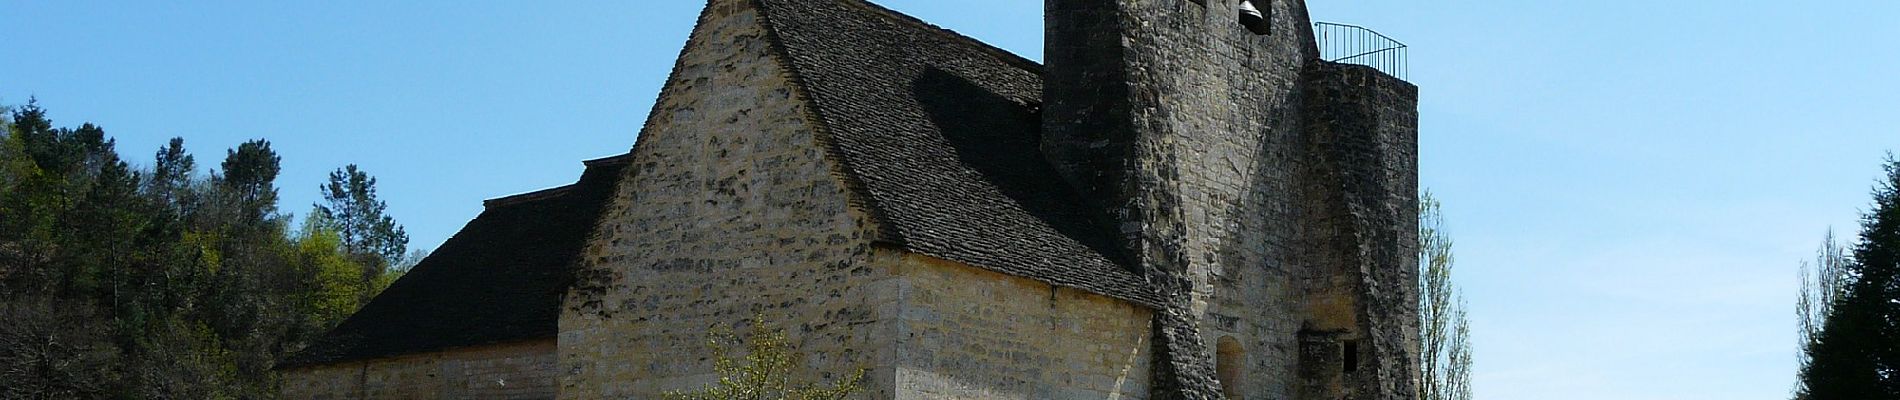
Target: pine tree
372, 238
250, 171
172, 170
72, 207
117, 282
1857, 353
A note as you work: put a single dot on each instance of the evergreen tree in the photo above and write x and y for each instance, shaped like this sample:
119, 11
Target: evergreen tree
1856, 355
122, 283
72, 206
350, 208
172, 170
1878, 254
250, 173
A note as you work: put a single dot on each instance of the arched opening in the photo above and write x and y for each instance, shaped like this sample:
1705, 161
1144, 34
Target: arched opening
1257, 17
1230, 366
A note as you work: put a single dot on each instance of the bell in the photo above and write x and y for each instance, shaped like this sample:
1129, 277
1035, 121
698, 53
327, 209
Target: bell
1253, 19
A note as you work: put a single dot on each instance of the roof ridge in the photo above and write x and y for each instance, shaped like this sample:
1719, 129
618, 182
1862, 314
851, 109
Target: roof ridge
558, 191
1006, 56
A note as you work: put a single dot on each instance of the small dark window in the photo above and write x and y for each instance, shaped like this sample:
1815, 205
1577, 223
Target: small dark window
1256, 18
1352, 356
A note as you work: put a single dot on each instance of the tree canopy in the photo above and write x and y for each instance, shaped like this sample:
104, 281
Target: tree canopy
1856, 352
126, 282
372, 239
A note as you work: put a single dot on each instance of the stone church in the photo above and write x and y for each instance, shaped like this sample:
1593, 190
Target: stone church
1184, 201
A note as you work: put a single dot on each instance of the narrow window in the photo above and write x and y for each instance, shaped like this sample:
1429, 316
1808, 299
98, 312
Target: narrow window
1229, 365
1352, 356
1257, 19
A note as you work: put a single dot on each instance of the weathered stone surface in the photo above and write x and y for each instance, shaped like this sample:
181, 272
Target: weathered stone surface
737, 208
970, 333
1192, 211
523, 370
1189, 131
731, 210
1184, 125
1362, 185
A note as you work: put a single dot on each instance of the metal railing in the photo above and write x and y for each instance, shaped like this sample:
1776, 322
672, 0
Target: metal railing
1352, 44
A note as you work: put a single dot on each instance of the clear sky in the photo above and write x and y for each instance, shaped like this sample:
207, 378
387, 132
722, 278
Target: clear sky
1631, 184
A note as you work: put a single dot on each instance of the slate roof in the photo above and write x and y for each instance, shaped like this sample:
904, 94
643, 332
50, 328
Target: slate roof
940, 133
500, 279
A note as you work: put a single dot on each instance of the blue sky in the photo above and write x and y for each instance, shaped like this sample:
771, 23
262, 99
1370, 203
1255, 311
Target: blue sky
1630, 184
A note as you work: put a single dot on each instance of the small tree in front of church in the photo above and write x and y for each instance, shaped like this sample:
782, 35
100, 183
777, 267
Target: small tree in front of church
765, 372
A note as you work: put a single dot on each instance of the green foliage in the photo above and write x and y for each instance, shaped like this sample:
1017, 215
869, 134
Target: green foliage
338, 289
1444, 332
172, 173
72, 207
767, 371
1856, 353
167, 285
350, 208
249, 173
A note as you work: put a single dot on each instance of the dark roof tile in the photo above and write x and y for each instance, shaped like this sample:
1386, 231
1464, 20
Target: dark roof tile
938, 131
500, 279
941, 133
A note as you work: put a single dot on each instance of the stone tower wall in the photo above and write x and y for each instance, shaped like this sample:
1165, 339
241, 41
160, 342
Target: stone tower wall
1189, 131
1185, 125
1362, 180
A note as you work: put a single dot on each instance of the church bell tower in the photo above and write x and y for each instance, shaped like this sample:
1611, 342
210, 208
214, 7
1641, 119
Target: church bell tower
1267, 193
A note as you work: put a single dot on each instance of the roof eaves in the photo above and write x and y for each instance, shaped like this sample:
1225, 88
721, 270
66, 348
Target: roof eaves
527, 197
621, 159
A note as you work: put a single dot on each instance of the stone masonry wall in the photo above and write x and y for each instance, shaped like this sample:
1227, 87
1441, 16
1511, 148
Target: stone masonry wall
506, 371
971, 333
1186, 126
730, 209
1362, 175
